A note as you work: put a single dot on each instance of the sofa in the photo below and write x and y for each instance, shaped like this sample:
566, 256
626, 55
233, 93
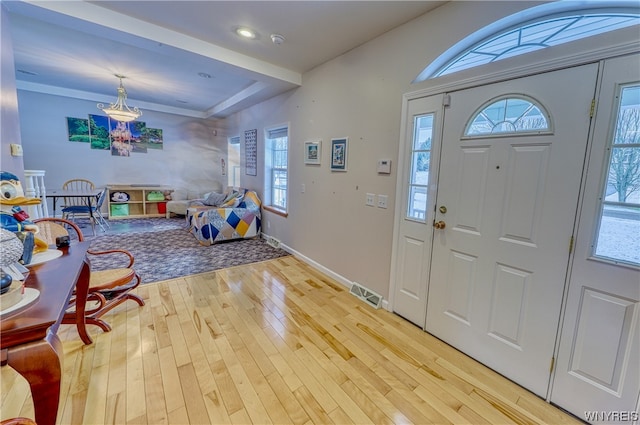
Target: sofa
238, 216
182, 198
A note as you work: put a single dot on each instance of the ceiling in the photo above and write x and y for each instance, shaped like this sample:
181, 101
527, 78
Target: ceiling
184, 57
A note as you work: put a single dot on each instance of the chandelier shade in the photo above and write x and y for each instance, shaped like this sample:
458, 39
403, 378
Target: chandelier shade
119, 110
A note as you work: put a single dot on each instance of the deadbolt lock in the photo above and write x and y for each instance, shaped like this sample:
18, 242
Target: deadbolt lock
443, 209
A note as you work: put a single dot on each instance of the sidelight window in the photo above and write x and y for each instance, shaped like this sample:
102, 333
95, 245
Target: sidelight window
420, 162
618, 236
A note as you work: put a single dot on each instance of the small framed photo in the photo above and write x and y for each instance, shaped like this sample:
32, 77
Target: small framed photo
312, 152
339, 154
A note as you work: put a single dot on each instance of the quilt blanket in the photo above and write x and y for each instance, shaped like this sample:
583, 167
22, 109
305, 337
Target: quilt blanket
212, 224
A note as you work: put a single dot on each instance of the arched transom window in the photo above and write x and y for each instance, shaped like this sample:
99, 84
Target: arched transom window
508, 114
555, 23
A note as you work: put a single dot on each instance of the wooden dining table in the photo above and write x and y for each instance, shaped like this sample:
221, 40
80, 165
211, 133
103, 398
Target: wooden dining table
28, 339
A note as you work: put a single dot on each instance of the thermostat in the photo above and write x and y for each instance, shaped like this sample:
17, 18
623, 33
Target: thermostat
384, 166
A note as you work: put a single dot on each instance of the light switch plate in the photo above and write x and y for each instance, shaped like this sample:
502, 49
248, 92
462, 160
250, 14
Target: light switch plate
382, 201
371, 199
16, 149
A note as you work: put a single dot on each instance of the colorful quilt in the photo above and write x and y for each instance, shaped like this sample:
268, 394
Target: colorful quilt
214, 224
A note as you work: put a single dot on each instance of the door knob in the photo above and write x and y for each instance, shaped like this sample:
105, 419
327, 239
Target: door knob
439, 224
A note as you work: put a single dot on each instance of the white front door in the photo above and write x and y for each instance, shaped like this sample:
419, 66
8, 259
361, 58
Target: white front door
508, 203
597, 375
412, 247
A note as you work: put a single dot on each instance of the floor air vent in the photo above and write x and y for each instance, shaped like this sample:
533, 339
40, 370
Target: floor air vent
272, 241
366, 295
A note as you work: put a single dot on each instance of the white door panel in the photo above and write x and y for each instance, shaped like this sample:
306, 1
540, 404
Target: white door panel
499, 266
412, 245
598, 366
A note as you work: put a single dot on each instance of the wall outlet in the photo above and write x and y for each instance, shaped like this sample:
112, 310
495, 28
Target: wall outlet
382, 201
371, 199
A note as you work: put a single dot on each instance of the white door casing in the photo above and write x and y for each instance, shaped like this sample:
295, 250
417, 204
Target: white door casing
598, 365
499, 266
412, 245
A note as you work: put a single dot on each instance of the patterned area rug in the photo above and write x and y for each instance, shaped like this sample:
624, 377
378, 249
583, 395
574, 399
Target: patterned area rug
164, 249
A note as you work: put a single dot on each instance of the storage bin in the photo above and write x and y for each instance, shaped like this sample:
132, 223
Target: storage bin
119, 210
155, 196
162, 207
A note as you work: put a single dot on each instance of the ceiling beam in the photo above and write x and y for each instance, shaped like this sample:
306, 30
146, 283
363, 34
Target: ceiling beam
127, 24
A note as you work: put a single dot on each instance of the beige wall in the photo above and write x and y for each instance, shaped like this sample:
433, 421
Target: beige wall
9, 119
358, 95
190, 157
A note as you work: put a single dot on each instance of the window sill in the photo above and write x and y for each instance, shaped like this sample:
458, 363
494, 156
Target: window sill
275, 210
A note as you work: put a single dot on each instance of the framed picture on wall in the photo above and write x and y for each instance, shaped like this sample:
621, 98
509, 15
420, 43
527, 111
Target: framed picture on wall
339, 154
78, 130
251, 152
312, 152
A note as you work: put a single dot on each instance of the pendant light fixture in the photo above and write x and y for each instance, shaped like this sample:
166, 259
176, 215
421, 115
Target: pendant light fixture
119, 111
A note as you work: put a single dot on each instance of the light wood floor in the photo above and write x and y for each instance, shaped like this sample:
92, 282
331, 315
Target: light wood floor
272, 342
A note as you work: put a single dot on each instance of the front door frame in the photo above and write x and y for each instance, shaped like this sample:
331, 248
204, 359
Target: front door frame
591, 50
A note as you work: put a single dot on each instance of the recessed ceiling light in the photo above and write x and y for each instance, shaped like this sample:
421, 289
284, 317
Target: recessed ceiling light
246, 32
204, 75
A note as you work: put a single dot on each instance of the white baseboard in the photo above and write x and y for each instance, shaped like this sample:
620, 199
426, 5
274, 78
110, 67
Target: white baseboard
335, 276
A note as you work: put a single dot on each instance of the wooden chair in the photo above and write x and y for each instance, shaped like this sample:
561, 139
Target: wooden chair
90, 211
107, 288
79, 185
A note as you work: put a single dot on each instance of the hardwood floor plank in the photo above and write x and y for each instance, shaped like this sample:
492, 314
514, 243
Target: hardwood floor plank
230, 396
193, 396
373, 412
333, 388
95, 408
283, 368
115, 412
156, 409
173, 396
16, 394
250, 400
136, 403
444, 407
310, 384
272, 342
309, 403
179, 416
362, 378
540, 409
268, 398
412, 407
288, 399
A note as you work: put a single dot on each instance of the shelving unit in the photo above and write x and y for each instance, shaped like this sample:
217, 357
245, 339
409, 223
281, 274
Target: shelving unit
137, 206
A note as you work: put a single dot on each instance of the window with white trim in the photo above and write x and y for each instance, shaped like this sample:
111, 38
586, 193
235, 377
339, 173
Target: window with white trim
233, 161
555, 23
508, 115
276, 166
618, 236
420, 161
